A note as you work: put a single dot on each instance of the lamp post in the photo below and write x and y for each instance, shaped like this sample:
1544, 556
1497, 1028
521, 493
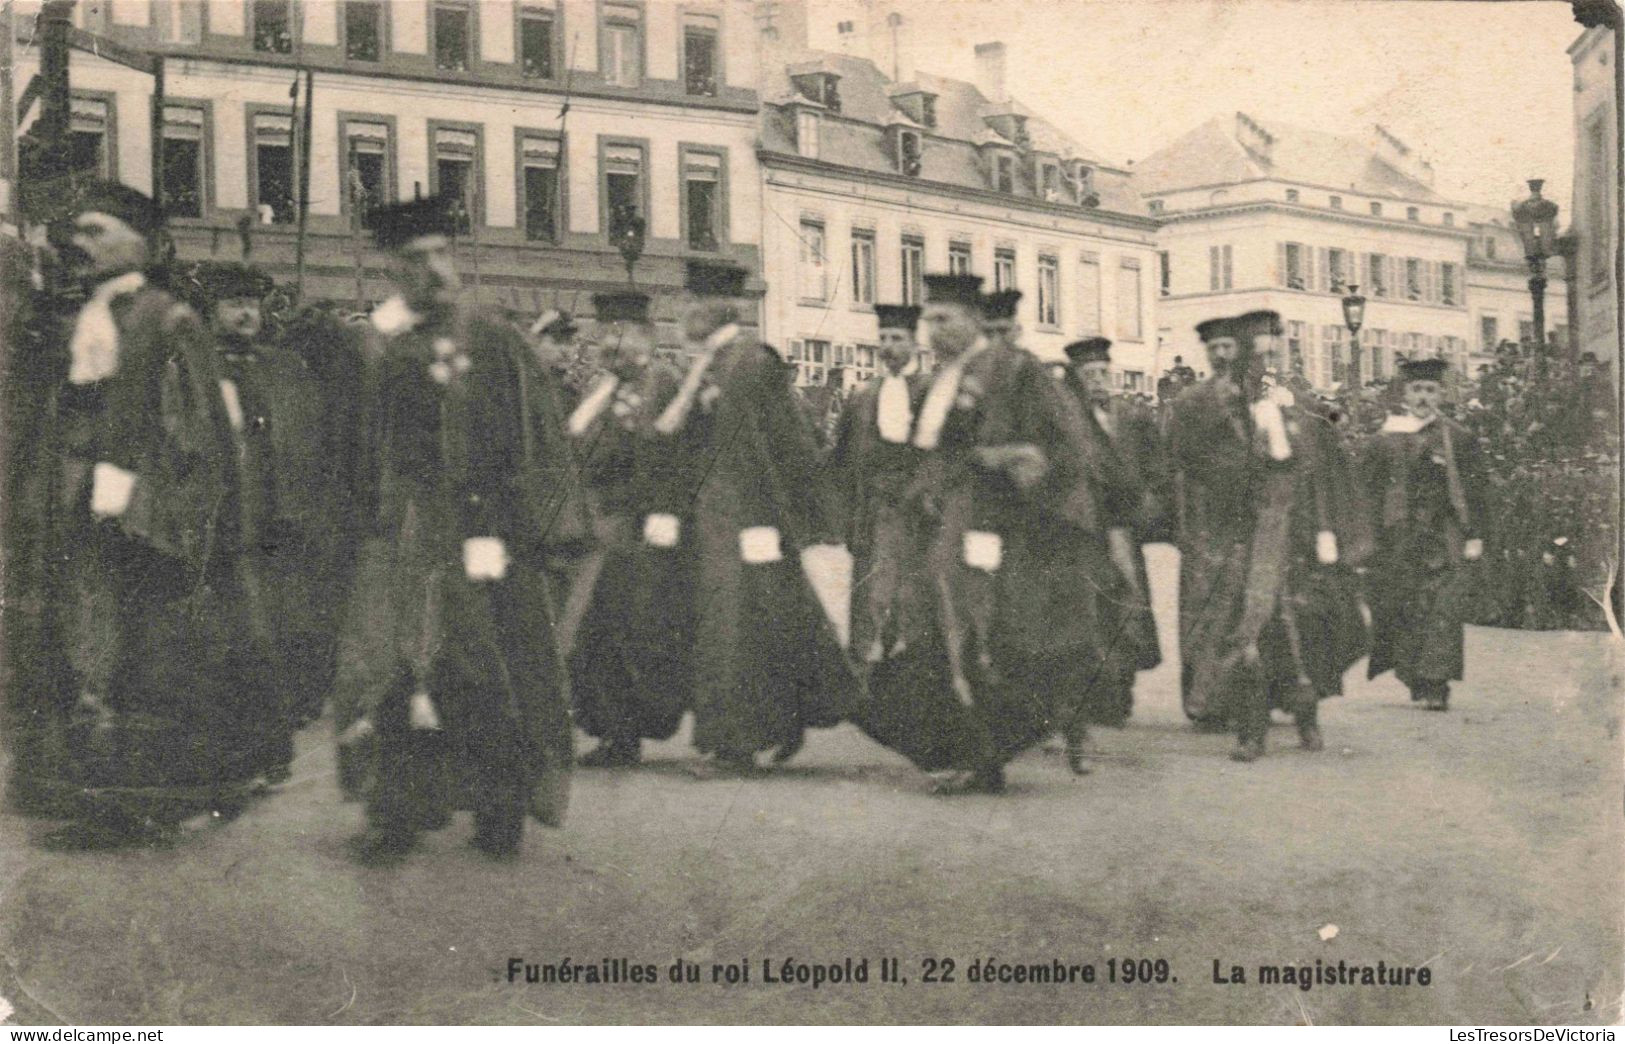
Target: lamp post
1536, 219
1354, 318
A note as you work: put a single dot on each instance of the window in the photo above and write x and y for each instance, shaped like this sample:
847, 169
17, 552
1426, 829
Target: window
813, 269
1413, 214
807, 134
1291, 195
1129, 325
1376, 210
1526, 330
273, 168
540, 160
700, 33
1295, 267
1489, 248
1332, 337
702, 199
179, 23
864, 360
623, 186
456, 172
821, 87
1155, 206
1163, 270
1489, 333
536, 37
959, 259
1413, 279
1004, 168
1089, 294
913, 270
453, 31
1294, 347
183, 160
1086, 182
1449, 220
1221, 271
1447, 283
928, 109
273, 27
1376, 276
810, 359
908, 153
1004, 269
89, 128
1336, 202
1375, 341
363, 31
1049, 291
863, 266
1050, 183
1338, 270
367, 174
621, 50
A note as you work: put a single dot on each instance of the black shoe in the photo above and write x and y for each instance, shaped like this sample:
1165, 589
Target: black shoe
790, 748
1074, 758
1210, 726
720, 765
1309, 737
377, 846
102, 836
989, 780
502, 849
613, 754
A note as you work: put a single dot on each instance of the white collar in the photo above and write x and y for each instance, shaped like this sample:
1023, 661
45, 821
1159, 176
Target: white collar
1405, 424
394, 316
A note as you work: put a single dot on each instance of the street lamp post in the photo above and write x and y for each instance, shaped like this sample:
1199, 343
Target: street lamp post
1354, 318
1536, 219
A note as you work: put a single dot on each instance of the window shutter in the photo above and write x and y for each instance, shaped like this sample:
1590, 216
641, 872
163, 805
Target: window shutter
1280, 264
1309, 268
1324, 266
1213, 268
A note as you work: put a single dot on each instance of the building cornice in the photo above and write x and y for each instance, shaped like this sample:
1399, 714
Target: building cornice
1342, 216
784, 161
1335, 190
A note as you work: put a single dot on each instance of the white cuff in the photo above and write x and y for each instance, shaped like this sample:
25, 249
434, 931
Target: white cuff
759, 545
983, 550
110, 489
485, 558
661, 530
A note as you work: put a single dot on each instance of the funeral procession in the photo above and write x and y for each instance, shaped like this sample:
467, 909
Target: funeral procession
491, 482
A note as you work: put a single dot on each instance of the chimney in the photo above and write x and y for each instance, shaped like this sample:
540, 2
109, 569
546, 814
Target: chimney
990, 71
781, 25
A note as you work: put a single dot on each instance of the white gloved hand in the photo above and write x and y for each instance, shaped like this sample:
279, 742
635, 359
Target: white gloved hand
421, 713
1472, 550
1326, 547
110, 490
485, 558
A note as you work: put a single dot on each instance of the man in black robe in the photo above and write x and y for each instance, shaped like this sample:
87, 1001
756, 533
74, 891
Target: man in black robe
872, 464
1007, 533
1131, 446
156, 697
1271, 524
287, 509
1426, 484
631, 663
767, 661
451, 659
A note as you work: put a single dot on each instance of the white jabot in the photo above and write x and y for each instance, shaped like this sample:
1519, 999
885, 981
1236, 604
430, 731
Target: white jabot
234, 403
1267, 416
395, 316
1403, 424
93, 349
940, 399
893, 415
593, 404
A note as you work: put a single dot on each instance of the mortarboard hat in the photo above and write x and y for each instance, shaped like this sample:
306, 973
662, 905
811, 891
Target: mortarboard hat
226, 280
898, 317
955, 289
553, 323
714, 279
116, 199
626, 306
1000, 304
396, 224
1422, 369
1262, 323
1213, 329
1090, 349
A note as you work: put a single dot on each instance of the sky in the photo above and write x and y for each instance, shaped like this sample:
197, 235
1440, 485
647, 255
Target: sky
1483, 90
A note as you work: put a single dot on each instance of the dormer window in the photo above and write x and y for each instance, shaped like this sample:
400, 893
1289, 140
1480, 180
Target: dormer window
917, 103
1155, 206
1083, 176
821, 87
1049, 182
807, 133
908, 153
928, 109
1004, 173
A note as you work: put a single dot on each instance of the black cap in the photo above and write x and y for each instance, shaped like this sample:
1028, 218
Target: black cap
623, 306
1213, 329
396, 224
1263, 323
714, 279
898, 317
116, 199
1090, 349
954, 289
1423, 369
226, 280
1000, 304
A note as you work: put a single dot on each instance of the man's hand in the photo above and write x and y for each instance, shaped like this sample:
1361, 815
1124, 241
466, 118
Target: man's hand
1023, 462
1472, 550
110, 490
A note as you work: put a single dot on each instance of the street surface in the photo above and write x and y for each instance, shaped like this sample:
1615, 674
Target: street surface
1485, 843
